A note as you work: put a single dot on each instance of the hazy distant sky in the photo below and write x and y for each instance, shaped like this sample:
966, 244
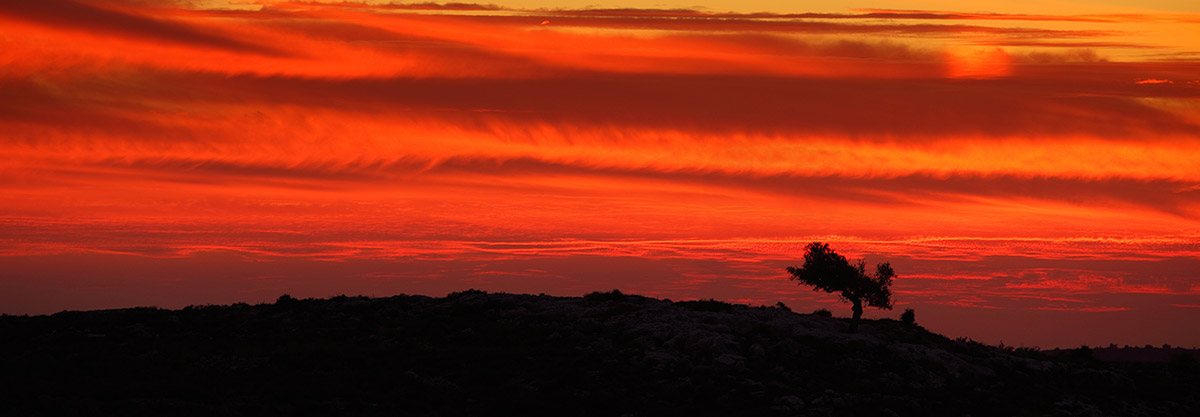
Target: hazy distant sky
1031, 169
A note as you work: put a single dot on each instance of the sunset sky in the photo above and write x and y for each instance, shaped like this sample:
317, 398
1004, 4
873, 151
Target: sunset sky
1031, 169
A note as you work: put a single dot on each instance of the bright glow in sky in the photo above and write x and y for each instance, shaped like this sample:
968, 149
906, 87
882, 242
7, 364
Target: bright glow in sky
1029, 168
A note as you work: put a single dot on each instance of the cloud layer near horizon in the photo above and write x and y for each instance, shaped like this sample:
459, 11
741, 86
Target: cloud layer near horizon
1013, 162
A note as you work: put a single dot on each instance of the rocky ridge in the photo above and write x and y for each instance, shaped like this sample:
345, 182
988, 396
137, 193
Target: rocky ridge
474, 353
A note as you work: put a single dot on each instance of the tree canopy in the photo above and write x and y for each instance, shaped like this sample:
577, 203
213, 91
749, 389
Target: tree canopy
826, 270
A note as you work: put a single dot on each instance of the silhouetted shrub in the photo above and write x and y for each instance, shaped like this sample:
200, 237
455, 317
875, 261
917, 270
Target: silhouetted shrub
1083, 353
460, 294
286, 300
597, 296
780, 305
710, 305
909, 317
822, 312
1029, 352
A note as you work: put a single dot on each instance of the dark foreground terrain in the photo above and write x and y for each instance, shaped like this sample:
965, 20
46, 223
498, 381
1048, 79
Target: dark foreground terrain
474, 353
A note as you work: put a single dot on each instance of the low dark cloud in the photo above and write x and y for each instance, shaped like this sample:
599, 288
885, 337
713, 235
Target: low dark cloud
893, 110
73, 15
1174, 197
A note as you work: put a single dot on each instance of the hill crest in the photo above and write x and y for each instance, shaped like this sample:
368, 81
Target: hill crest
601, 354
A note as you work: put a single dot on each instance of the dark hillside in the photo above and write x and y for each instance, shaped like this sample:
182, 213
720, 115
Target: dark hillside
474, 353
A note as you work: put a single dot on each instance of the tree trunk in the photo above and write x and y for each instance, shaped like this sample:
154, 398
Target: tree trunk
857, 309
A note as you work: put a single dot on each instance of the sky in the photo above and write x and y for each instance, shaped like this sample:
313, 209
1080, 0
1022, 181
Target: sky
1031, 170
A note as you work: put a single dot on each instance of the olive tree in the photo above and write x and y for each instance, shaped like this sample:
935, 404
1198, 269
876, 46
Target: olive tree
827, 271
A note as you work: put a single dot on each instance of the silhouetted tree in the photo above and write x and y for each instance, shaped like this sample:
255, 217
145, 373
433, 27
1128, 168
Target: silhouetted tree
827, 271
909, 316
